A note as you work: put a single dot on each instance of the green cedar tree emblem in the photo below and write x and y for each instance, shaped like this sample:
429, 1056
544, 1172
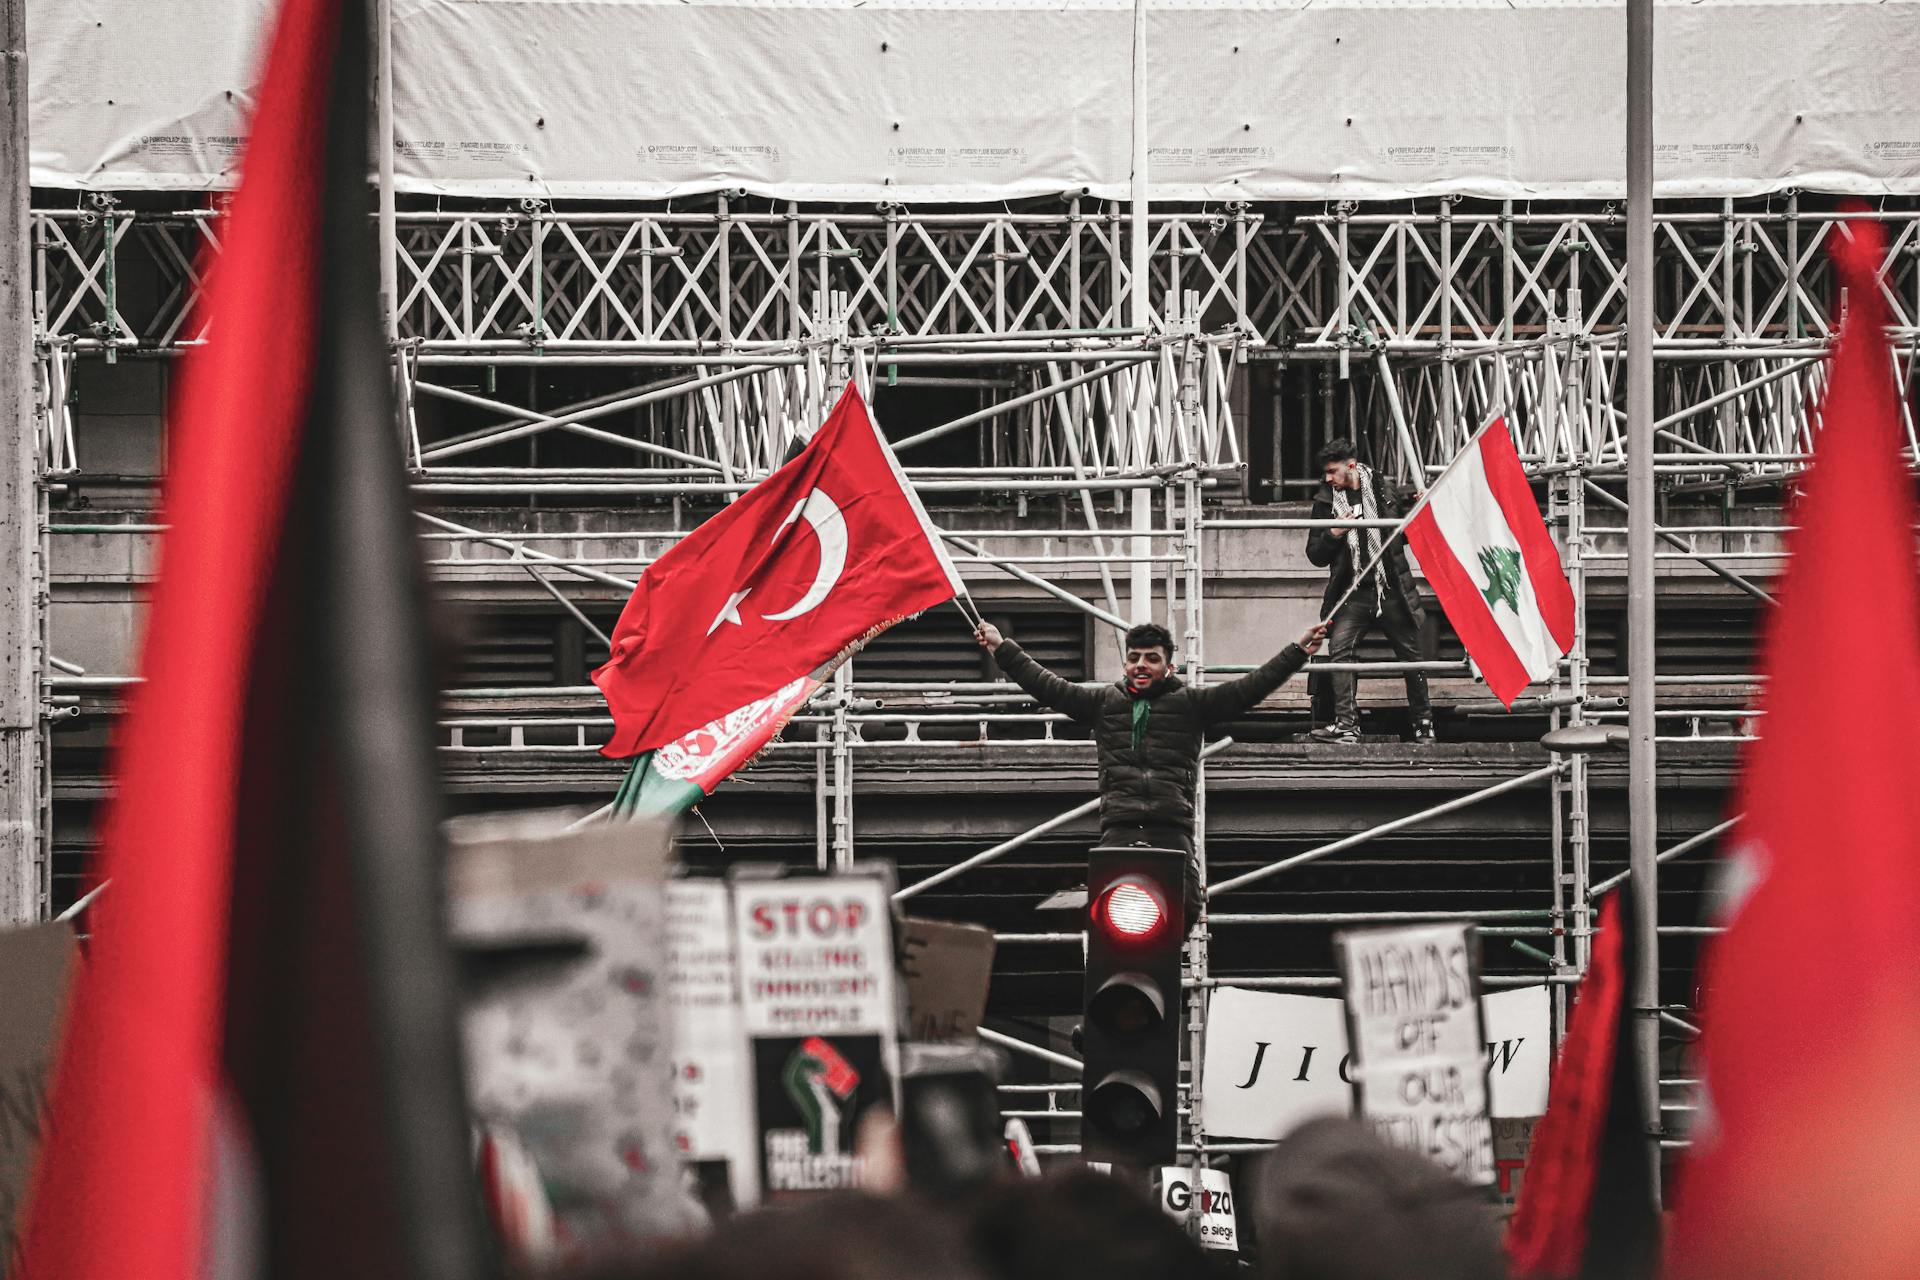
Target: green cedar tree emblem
1502, 567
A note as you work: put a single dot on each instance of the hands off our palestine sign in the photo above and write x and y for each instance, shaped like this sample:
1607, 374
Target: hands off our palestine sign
1414, 1024
820, 1008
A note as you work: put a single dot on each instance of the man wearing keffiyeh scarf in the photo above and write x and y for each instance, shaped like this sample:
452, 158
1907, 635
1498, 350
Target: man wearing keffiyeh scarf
1386, 598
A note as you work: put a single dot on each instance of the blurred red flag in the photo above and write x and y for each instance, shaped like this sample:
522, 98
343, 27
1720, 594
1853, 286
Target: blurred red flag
827, 550
1586, 1202
1806, 1155
260, 1073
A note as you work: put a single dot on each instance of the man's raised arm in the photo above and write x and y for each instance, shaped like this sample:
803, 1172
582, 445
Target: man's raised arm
1049, 690
1237, 697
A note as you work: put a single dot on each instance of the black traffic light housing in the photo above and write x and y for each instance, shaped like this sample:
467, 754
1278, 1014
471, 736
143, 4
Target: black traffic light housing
1132, 1014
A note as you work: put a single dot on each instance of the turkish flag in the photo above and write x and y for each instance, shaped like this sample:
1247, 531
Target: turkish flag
823, 553
1806, 1148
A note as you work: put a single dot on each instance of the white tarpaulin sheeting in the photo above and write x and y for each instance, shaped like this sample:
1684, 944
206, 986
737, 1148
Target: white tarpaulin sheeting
927, 100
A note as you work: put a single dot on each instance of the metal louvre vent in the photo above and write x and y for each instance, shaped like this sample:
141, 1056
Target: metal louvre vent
534, 648
512, 650
1705, 636
938, 645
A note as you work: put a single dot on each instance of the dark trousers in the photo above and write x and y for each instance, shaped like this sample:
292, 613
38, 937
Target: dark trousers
1356, 617
1155, 836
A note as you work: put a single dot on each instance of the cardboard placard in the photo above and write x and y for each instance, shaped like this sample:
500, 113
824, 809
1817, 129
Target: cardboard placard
36, 963
820, 1007
948, 968
562, 935
1218, 1227
713, 1127
1419, 1063
1275, 1060
1512, 1148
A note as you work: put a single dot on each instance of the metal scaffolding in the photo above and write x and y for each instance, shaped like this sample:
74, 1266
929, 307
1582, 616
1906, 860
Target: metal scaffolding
737, 325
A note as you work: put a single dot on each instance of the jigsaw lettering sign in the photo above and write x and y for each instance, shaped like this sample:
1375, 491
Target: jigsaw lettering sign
1275, 1059
1414, 1022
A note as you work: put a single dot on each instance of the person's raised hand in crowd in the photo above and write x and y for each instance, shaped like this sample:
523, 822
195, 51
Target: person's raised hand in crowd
1315, 636
988, 635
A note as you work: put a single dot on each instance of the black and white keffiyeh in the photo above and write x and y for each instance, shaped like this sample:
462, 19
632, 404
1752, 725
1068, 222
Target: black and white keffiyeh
1343, 507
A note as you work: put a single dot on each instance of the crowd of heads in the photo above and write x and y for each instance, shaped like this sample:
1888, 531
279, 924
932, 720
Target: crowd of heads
1330, 1203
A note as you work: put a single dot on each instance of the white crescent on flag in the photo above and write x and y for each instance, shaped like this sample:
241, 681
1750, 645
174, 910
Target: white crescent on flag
831, 528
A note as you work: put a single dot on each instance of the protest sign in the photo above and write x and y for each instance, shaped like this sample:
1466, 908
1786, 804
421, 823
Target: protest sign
1019, 1141
1218, 1227
819, 1004
35, 963
712, 1121
1274, 1060
1512, 1147
947, 969
562, 938
1413, 1021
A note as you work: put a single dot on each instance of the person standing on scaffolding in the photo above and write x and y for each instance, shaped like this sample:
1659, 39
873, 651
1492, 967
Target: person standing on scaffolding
1386, 597
1148, 729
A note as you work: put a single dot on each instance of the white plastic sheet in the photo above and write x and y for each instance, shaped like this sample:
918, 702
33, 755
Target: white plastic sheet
969, 100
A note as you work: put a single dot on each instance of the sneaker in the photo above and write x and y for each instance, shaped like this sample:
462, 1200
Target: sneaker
1423, 732
1343, 734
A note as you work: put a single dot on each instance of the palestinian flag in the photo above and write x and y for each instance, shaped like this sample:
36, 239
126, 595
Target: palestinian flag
674, 778
1488, 557
1587, 1206
260, 1075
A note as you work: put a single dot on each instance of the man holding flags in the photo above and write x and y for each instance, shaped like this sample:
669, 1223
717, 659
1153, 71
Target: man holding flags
1148, 729
1368, 583
1486, 553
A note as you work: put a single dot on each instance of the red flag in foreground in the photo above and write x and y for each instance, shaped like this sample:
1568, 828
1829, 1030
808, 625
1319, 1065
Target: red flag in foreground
260, 1072
1806, 1152
1587, 1204
1488, 557
827, 550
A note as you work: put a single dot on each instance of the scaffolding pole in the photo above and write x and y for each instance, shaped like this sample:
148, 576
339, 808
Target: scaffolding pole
22, 880
1643, 825
1140, 316
383, 152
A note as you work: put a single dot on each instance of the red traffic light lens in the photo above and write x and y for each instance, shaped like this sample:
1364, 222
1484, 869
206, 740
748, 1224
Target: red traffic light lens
1130, 911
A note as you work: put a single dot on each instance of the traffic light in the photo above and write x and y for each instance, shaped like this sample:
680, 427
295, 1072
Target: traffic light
1131, 1018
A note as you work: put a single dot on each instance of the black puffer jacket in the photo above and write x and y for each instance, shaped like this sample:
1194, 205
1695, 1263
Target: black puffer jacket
1153, 785
1336, 553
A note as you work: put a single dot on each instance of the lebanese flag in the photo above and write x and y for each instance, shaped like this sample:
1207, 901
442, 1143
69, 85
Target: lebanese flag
822, 554
1488, 557
1806, 1150
260, 1072
1587, 1208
